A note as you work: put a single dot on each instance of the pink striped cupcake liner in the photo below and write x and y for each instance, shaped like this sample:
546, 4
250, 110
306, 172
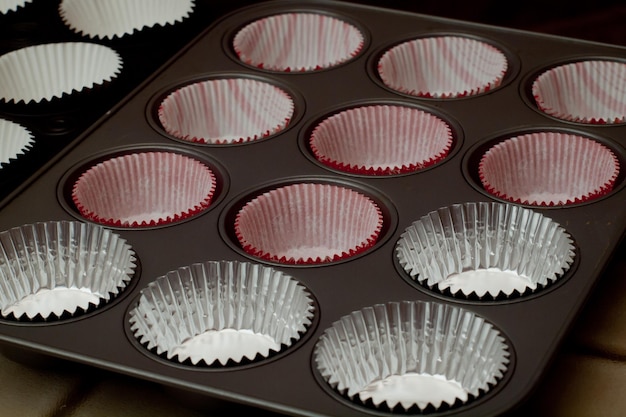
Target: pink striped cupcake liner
144, 189
297, 42
117, 18
443, 67
589, 92
308, 223
381, 140
549, 169
226, 111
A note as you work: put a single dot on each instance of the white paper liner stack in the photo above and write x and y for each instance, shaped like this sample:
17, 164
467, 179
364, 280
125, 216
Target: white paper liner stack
443, 67
46, 71
56, 268
478, 249
297, 42
117, 18
224, 111
590, 91
7, 6
144, 189
221, 312
549, 169
15, 140
381, 140
308, 223
412, 356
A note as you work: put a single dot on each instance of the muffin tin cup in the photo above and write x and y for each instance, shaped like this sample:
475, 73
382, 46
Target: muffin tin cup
308, 223
549, 168
144, 189
119, 18
58, 269
411, 356
225, 110
221, 313
443, 67
485, 251
588, 91
381, 140
297, 42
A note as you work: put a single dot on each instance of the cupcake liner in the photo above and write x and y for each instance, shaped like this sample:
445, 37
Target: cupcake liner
226, 111
7, 6
15, 140
411, 355
381, 140
485, 250
585, 92
548, 169
443, 67
144, 189
116, 18
308, 223
58, 268
297, 42
46, 71
221, 313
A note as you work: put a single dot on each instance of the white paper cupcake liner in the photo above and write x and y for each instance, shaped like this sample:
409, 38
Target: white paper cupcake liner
7, 6
589, 91
116, 18
225, 111
51, 270
485, 250
548, 169
297, 42
46, 71
144, 189
381, 140
15, 140
308, 223
443, 67
412, 356
220, 313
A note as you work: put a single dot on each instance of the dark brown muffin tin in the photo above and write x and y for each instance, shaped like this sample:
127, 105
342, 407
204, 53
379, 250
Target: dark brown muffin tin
532, 324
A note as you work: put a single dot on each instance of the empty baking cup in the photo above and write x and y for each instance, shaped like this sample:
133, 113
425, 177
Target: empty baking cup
116, 18
485, 250
297, 42
46, 71
144, 189
443, 67
15, 140
7, 6
224, 111
590, 91
381, 140
220, 313
411, 356
308, 223
548, 169
58, 269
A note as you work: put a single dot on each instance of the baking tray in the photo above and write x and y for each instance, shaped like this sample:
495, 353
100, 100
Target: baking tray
532, 325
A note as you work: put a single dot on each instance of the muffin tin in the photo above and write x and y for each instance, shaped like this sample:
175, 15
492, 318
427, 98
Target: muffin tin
264, 264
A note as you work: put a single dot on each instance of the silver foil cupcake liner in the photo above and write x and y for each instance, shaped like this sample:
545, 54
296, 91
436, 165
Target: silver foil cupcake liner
412, 356
7, 6
58, 269
485, 250
221, 313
